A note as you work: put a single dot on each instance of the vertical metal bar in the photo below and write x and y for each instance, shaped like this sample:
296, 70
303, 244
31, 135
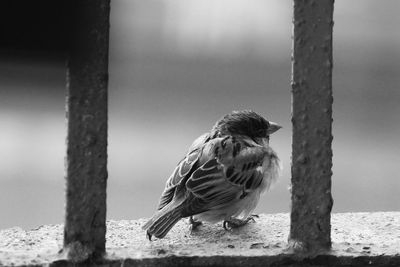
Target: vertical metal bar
312, 125
86, 162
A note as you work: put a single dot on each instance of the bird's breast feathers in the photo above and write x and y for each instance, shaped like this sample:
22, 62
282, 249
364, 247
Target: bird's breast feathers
234, 173
244, 164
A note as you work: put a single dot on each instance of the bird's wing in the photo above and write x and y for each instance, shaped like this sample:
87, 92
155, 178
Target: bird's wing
229, 169
182, 171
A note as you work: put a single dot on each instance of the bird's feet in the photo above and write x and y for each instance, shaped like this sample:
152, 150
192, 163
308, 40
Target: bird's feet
148, 235
194, 224
235, 223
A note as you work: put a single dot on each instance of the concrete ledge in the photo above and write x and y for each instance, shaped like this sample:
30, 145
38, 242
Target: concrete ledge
359, 239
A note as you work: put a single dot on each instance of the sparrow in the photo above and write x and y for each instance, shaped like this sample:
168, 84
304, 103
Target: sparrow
221, 177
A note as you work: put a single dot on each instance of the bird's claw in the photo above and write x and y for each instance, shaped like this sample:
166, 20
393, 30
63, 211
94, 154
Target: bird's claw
236, 223
148, 235
194, 224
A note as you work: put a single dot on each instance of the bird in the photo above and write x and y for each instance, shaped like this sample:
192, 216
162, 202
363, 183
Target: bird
221, 177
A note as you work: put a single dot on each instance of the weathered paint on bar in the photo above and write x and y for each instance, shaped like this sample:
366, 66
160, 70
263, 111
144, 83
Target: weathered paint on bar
312, 125
86, 161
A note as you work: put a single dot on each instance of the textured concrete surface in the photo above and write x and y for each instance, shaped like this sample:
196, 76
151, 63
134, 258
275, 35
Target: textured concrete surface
358, 239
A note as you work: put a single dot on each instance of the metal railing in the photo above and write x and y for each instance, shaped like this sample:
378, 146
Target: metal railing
312, 125
86, 163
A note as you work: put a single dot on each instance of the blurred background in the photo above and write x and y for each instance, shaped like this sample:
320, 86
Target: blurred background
175, 68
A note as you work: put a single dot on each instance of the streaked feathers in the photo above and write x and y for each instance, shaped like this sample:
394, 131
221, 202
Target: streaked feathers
221, 176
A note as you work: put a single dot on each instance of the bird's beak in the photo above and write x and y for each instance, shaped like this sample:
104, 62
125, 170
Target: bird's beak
273, 127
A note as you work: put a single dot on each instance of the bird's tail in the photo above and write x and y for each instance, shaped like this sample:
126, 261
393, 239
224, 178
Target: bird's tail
161, 222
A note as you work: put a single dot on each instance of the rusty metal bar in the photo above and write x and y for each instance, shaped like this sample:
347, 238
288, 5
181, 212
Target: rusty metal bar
86, 161
312, 125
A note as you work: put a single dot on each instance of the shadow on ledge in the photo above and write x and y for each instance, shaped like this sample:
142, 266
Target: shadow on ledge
359, 239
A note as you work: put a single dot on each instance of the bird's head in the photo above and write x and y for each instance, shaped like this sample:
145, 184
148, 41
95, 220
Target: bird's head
247, 123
